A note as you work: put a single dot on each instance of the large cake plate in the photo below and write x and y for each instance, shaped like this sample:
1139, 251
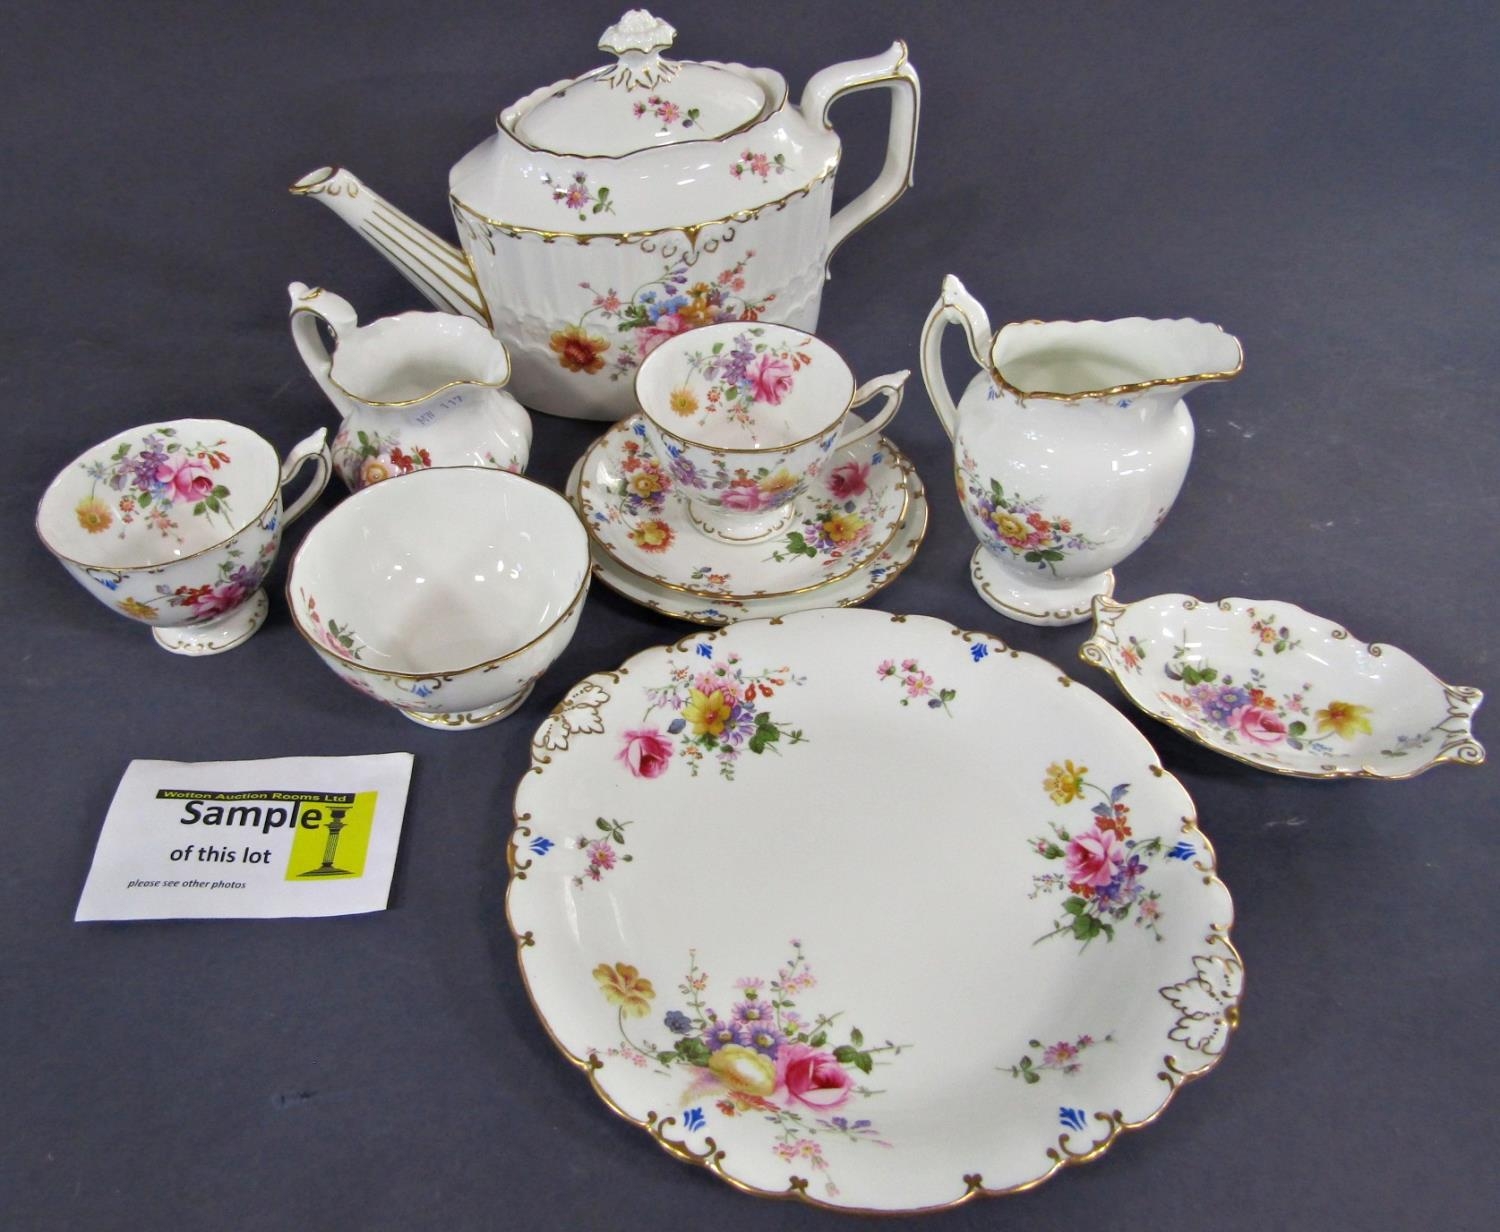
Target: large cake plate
866, 910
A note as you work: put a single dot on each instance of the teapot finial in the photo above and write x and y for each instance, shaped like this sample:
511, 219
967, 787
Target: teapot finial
637, 31
638, 39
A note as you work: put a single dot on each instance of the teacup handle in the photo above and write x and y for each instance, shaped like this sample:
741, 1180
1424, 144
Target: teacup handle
954, 307
891, 385
315, 450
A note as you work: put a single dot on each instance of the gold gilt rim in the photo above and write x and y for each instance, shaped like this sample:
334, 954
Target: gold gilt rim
369, 669
1061, 615
729, 327
771, 105
712, 1158
917, 518
432, 393
217, 546
906, 471
1114, 391
1462, 700
691, 230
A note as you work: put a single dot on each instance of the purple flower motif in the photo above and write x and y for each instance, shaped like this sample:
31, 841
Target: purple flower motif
720, 1032
677, 1022
754, 1013
763, 1037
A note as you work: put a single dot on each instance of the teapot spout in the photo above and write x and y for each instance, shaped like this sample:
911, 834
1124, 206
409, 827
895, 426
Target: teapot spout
435, 267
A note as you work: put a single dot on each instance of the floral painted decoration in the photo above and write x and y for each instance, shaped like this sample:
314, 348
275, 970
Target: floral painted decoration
153, 482
718, 713
340, 639
1015, 525
634, 325
668, 112
916, 684
739, 375
1104, 867
578, 195
750, 163
765, 1058
1251, 712
237, 580
1063, 1057
369, 457
602, 850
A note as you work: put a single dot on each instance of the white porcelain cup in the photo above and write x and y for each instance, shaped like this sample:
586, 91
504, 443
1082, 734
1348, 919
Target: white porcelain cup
746, 414
445, 593
176, 525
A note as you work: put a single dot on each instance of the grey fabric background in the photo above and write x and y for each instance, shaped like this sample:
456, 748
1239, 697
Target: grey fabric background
1320, 179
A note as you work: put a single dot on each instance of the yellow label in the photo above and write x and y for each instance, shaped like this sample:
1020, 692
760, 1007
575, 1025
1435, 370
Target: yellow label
331, 839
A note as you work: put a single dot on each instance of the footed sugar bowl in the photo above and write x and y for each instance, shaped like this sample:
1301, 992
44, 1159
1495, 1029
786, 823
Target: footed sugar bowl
652, 195
1069, 445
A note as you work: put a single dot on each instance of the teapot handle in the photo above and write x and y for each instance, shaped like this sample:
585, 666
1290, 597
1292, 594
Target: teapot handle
890, 71
309, 306
954, 307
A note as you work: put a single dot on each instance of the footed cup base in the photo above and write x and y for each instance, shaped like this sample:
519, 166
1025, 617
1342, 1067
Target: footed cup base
1052, 604
217, 636
469, 721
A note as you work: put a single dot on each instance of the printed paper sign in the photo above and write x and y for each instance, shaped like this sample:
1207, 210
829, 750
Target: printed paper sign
292, 836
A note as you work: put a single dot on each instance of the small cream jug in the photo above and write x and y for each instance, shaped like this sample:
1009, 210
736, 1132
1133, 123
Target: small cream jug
416, 390
1070, 445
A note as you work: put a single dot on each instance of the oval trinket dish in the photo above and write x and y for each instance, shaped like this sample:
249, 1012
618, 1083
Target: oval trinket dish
1280, 688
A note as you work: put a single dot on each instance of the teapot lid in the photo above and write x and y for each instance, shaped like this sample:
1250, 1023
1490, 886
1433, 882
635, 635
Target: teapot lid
640, 102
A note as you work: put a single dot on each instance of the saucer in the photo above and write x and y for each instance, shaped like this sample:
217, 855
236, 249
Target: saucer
731, 918
1269, 684
846, 519
873, 576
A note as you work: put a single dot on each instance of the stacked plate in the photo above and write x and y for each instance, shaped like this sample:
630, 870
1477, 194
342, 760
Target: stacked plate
854, 531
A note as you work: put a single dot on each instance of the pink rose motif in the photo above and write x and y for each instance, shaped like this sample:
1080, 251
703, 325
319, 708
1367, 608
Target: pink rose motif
811, 1077
745, 499
1261, 726
218, 600
771, 379
646, 753
668, 325
849, 480
1094, 857
189, 479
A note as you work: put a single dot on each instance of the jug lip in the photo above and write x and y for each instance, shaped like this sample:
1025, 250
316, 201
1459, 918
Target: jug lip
1114, 391
452, 321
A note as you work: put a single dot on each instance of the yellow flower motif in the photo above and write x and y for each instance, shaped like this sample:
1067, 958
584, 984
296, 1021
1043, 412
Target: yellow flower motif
1345, 718
134, 607
743, 1069
683, 400
1009, 526
706, 713
645, 483
373, 471
779, 482
1064, 783
844, 527
94, 515
653, 536
622, 985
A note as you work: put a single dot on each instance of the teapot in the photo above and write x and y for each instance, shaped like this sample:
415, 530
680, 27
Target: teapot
612, 210
416, 390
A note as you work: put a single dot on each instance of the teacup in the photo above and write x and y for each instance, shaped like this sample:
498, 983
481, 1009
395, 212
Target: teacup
177, 524
445, 593
745, 415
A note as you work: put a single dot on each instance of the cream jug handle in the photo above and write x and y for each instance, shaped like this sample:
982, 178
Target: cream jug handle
309, 306
954, 307
891, 385
890, 71
313, 449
